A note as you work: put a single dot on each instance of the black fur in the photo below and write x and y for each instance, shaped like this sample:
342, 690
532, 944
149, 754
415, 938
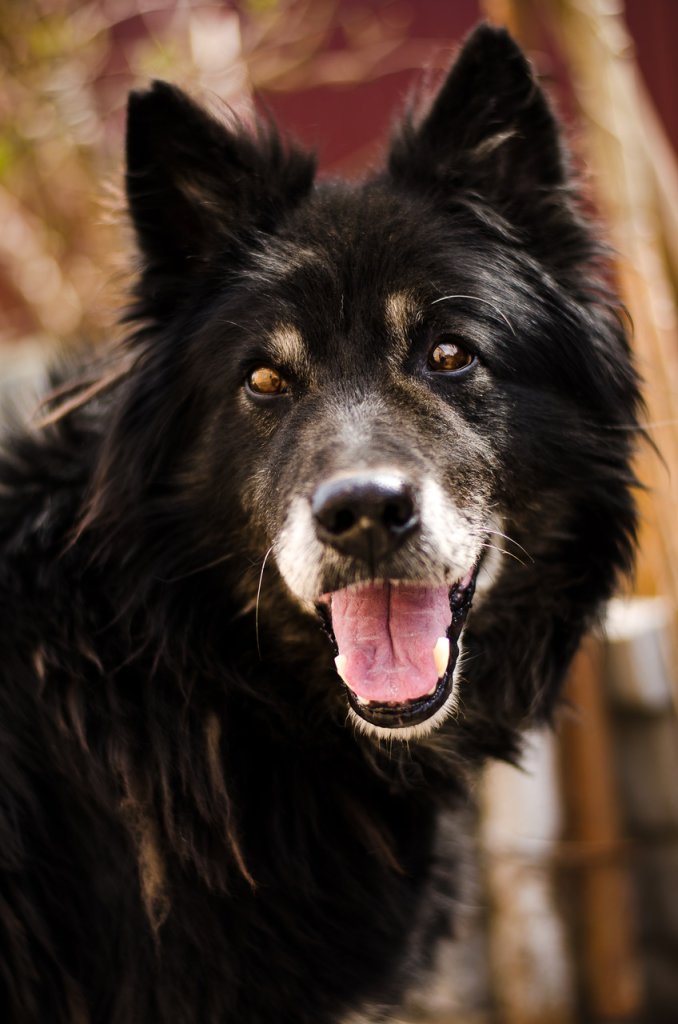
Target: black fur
190, 831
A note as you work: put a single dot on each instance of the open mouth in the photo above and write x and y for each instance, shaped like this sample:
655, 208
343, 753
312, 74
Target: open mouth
398, 645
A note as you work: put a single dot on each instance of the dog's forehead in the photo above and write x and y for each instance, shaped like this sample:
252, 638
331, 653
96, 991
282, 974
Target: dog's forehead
365, 237
394, 315
349, 264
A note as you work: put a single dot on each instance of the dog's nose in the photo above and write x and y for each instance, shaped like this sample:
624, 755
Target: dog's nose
366, 515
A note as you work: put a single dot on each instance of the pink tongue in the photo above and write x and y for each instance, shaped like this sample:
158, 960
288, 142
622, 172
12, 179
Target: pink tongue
387, 634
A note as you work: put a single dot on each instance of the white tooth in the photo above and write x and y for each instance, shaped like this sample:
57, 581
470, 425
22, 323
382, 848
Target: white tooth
441, 655
429, 693
340, 665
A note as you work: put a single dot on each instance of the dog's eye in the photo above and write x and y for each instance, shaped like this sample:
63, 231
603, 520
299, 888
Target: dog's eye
449, 355
267, 381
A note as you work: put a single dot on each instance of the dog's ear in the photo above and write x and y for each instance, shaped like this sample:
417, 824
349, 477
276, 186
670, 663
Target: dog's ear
490, 129
194, 186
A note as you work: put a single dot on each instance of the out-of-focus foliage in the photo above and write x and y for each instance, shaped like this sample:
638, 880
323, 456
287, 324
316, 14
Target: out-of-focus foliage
65, 70
50, 146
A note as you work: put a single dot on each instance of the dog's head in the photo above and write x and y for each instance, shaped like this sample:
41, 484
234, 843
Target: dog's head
409, 388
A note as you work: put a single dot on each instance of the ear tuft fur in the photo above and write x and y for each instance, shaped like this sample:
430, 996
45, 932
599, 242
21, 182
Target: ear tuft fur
195, 185
490, 128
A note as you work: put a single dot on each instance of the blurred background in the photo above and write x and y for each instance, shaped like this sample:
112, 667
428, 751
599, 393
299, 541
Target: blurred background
574, 915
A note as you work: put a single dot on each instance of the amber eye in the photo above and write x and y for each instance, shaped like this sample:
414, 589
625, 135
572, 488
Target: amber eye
449, 355
267, 381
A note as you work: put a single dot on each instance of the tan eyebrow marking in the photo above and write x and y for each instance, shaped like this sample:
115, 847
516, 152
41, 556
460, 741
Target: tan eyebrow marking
401, 313
287, 346
284, 258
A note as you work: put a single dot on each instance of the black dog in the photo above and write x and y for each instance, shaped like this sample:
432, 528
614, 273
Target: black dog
340, 408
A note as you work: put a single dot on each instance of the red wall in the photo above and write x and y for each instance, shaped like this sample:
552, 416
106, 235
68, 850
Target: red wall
654, 27
348, 124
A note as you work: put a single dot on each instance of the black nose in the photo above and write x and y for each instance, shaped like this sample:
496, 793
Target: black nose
367, 515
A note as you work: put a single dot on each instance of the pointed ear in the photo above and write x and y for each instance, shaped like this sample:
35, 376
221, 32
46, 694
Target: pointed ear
490, 128
194, 186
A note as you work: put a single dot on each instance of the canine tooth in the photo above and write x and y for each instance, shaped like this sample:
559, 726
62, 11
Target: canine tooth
340, 665
441, 655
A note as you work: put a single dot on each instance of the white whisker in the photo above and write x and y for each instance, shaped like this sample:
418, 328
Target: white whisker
477, 298
503, 551
511, 540
256, 607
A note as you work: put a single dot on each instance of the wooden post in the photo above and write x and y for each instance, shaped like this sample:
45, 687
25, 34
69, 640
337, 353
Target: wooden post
609, 963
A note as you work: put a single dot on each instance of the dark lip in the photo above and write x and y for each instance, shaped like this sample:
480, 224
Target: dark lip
413, 712
410, 712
